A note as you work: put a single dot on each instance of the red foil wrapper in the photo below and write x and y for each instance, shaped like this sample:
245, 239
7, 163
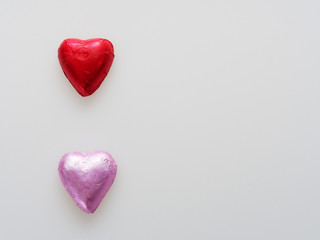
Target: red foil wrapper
86, 63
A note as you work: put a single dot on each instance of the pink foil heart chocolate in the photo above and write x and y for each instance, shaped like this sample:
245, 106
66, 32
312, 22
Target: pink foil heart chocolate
87, 177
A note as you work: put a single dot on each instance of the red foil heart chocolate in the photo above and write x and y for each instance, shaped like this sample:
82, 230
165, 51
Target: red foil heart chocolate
86, 63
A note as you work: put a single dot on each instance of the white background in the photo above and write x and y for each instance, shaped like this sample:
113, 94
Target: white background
211, 111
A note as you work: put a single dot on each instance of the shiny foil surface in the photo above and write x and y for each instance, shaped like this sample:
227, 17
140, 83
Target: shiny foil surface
87, 177
86, 63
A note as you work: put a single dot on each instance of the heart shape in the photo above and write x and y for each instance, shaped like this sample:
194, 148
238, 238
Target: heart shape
86, 63
87, 177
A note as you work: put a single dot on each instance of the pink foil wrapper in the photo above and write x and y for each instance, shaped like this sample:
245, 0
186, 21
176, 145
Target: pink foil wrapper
87, 177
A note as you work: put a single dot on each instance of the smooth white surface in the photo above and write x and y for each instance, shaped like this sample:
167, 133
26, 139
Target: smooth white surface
211, 110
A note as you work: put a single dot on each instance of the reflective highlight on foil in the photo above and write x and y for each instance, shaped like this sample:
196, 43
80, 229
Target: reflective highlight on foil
87, 177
